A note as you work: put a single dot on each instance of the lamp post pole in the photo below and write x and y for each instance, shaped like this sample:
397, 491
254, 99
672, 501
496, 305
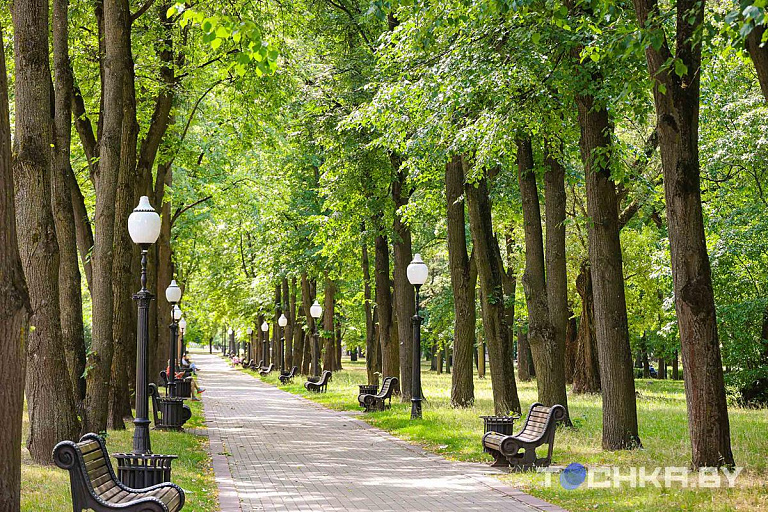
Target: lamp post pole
316, 312
144, 227
417, 275
282, 322
264, 342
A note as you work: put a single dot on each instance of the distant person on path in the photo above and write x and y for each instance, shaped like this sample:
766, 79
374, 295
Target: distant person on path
186, 363
196, 390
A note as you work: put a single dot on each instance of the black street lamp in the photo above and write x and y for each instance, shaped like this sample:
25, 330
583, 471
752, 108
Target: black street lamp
282, 322
231, 342
182, 332
417, 276
144, 227
264, 338
316, 311
250, 344
173, 296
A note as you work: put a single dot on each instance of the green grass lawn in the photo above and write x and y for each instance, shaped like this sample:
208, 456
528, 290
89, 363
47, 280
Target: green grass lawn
455, 434
46, 488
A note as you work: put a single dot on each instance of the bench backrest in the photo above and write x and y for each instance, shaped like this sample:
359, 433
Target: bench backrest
293, 371
89, 462
325, 377
390, 383
540, 422
163, 378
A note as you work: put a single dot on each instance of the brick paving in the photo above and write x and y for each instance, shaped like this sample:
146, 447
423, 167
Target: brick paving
286, 453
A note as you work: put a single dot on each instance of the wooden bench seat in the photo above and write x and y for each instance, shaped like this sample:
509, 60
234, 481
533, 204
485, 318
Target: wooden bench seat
539, 429
321, 385
95, 487
285, 378
381, 400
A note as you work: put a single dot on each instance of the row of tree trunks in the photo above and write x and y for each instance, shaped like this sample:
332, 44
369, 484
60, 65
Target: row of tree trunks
489, 270
51, 405
70, 294
542, 292
463, 284
677, 114
15, 311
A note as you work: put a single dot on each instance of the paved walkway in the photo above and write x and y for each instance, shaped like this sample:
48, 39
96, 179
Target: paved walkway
275, 451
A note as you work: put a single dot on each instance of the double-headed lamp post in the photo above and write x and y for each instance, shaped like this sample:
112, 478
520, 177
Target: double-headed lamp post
173, 296
282, 322
250, 345
182, 332
264, 346
417, 275
144, 227
316, 311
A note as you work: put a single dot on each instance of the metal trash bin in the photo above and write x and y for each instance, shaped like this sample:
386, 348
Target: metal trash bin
143, 470
502, 424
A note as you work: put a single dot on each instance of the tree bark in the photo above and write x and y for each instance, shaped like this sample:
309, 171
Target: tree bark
52, 413
571, 333
523, 356
70, 294
677, 113
298, 333
390, 359
306, 300
759, 54
586, 376
371, 341
489, 271
548, 353
289, 306
15, 311
328, 333
617, 378
404, 297
462, 284
117, 67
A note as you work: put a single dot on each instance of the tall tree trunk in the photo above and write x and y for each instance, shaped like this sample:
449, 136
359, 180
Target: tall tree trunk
548, 353
371, 341
276, 328
404, 298
586, 375
117, 64
306, 300
523, 356
289, 306
480, 357
616, 375
52, 414
328, 332
509, 280
677, 114
298, 332
675, 367
390, 359
70, 295
164, 273
338, 342
15, 311
571, 332
463, 286
489, 271
759, 54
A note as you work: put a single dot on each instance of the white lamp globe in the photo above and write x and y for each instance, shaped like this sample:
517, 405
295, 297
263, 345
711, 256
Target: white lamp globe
250, 331
144, 223
417, 271
282, 321
173, 292
176, 313
230, 331
316, 310
265, 326
183, 324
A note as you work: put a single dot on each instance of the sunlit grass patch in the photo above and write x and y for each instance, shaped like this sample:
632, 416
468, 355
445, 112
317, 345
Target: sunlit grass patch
455, 434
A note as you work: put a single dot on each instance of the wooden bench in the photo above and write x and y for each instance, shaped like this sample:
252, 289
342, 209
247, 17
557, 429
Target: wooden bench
245, 363
381, 400
254, 366
285, 378
267, 370
169, 413
539, 429
321, 385
95, 487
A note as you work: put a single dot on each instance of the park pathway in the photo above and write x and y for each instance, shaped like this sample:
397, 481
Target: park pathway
276, 451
